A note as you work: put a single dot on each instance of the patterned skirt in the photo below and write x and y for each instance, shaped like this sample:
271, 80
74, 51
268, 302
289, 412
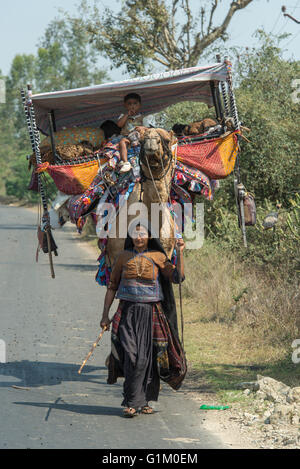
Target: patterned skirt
142, 330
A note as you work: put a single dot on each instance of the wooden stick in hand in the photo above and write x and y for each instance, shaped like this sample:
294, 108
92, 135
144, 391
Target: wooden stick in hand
92, 349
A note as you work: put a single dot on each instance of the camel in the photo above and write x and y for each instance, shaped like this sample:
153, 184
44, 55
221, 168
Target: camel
157, 166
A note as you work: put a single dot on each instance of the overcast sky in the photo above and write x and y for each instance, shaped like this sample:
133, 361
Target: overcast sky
22, 23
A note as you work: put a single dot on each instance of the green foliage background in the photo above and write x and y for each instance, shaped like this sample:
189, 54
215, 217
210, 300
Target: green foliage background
270, 168
64, 59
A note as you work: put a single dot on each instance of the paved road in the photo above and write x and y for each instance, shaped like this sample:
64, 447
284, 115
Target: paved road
48, 326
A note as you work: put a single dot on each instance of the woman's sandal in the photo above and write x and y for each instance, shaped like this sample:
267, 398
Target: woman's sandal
129, 412
147, 410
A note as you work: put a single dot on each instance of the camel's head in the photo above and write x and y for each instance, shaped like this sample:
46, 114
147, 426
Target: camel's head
157, 148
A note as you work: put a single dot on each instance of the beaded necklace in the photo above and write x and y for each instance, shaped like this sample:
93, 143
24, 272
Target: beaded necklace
138, 271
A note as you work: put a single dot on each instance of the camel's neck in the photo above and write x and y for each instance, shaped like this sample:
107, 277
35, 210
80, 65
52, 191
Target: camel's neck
159, 174
158, 188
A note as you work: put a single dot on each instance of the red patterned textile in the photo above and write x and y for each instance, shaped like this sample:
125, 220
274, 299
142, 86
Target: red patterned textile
215, 157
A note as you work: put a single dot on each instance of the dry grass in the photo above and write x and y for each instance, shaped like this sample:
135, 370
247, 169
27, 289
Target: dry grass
212, 283
220, 289
271, 310
237, 322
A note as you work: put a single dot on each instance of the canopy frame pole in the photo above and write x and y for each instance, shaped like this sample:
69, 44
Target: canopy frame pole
35, 142
53, 120
28, 121
232, 102
224, 93
34, 139
52, 129
219, 101
216, 101
239, 188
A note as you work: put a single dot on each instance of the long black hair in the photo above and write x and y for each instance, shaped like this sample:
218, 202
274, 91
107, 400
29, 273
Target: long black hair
110, 128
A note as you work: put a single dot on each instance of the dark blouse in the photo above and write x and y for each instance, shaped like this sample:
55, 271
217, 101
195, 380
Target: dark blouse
136, 275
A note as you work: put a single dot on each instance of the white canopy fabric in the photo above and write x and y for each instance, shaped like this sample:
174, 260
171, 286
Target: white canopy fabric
90, 106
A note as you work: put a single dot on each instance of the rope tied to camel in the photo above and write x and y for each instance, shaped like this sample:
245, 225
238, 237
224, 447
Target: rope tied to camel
168, 151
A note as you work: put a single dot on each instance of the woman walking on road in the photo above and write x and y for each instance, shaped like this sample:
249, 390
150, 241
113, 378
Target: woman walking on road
144, 339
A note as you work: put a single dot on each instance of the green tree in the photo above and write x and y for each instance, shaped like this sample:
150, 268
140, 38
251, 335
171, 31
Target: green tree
22, 71
64, 59
270, 163
8, 146
171, 33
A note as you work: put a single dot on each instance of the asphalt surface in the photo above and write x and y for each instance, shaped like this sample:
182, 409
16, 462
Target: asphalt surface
48, 326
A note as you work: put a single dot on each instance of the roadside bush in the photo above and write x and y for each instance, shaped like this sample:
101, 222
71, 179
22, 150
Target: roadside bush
264, 305
17, 182
277, 248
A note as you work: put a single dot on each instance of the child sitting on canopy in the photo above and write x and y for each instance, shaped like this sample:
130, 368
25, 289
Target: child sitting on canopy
129, 123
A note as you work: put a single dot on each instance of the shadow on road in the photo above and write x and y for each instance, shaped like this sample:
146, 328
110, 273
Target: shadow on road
79, 267
17, 227
47, 373
78, 409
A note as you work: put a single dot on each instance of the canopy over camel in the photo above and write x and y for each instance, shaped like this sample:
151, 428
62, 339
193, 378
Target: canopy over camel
70, 114
90, 106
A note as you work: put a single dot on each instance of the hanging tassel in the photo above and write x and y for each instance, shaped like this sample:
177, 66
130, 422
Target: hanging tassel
43, 244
